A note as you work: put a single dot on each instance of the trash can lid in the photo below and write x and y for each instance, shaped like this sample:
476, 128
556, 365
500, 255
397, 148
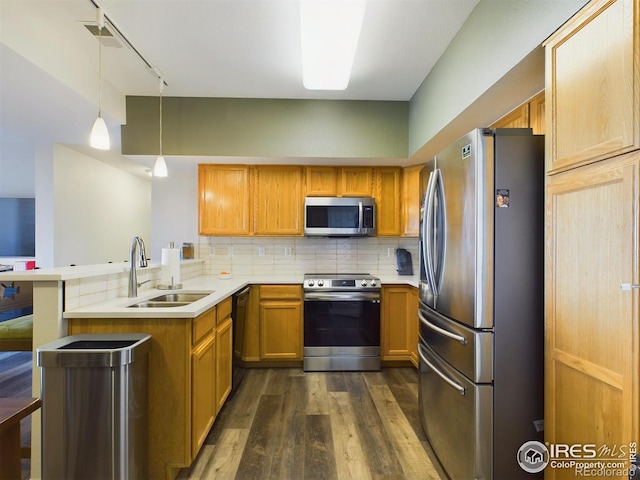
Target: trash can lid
94, 350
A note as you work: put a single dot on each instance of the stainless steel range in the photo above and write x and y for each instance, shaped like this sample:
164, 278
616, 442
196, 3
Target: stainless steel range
341, 322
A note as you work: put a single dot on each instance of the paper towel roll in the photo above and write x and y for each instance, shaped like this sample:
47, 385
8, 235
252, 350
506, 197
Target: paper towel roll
170, 271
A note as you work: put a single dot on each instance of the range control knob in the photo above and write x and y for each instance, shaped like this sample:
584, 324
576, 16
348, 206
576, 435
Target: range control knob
310, 283
363, 283
373, 283
320, 283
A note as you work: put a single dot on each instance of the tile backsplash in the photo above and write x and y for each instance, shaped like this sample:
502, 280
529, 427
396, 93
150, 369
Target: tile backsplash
299, 255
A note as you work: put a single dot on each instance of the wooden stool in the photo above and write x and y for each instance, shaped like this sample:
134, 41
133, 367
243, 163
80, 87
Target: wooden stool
12, 410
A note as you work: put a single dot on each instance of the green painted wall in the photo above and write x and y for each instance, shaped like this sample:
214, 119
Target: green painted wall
267, 127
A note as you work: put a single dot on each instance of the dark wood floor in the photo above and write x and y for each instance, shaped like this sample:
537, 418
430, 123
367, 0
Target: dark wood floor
15, 381
290, 424
284, 424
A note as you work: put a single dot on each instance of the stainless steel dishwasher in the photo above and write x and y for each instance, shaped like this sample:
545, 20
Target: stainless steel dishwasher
239, 314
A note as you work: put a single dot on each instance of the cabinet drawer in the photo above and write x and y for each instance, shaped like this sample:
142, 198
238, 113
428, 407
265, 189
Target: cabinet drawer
203, 325
224, 310
289, 292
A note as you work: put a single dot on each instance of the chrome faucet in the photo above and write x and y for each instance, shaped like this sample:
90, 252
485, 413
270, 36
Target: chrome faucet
138, 243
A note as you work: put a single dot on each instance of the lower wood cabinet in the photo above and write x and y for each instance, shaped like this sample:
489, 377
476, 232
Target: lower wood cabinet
280, 322
203, 387
400, 324
224, 353
189, 379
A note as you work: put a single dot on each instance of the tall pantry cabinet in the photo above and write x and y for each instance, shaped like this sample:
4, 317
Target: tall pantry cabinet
592, 358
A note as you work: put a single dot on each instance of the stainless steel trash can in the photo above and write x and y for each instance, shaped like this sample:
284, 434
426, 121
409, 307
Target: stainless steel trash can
94, 406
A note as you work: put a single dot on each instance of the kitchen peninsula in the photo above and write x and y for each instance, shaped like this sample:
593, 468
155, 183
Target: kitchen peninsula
93, 299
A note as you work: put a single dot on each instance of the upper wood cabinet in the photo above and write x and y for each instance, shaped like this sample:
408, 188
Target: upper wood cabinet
537, 119
223, 200
387, 195
517, 118
321, 181
591, 69
278, 200
530, 114
356, 182
411, 201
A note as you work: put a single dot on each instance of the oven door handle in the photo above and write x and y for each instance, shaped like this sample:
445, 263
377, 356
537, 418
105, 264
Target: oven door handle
441, 331
340, 297
449, 382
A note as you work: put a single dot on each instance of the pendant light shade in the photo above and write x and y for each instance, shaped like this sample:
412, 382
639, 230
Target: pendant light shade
160, 167
99, 133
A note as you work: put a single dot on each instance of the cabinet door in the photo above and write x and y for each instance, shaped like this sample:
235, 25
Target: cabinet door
280, 330
387, 195
591, 332
517, 118
397, 321
414, 326
411, 201
223, 200
278, 200
322, 181
224, 354
592, 85
203, 403
356, 182
537, 117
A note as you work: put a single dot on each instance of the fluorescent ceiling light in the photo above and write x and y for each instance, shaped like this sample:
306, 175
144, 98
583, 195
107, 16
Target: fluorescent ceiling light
330, 30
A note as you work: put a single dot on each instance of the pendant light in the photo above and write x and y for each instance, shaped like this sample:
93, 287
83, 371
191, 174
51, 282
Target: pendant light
160, 167
99, 133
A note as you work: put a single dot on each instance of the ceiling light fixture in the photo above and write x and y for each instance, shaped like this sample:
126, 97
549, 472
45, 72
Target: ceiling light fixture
99, 133
330, 30
160, 167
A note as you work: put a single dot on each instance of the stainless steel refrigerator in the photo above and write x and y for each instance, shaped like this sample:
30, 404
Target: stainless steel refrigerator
481, 302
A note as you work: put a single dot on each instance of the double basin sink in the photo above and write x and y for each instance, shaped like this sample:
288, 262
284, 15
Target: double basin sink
170, 300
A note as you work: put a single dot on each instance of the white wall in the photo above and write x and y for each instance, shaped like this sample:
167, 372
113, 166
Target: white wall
174, 211
97, 209
496, 37
17, 168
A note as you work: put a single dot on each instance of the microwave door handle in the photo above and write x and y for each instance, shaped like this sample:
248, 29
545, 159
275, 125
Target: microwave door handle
441, 331
450, 382
360, 218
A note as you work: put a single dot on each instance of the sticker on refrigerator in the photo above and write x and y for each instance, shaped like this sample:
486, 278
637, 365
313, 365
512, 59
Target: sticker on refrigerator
466, 151
502, 198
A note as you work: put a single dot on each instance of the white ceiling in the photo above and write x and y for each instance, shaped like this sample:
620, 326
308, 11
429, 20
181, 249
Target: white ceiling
251, 48
203, 48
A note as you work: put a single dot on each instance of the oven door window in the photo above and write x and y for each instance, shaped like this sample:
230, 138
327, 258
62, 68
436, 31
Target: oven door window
341, 323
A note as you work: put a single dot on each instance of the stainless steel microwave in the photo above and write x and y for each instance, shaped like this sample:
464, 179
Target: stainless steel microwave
339, 217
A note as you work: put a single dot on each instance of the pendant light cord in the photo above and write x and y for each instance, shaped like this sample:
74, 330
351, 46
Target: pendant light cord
161, 88
100, 25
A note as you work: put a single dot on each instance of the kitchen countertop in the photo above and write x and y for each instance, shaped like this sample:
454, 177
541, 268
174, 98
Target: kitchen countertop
221, 289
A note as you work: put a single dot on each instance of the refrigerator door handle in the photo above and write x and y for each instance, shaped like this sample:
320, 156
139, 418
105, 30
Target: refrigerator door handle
427, 232
441, 218
449, 382
441, 331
